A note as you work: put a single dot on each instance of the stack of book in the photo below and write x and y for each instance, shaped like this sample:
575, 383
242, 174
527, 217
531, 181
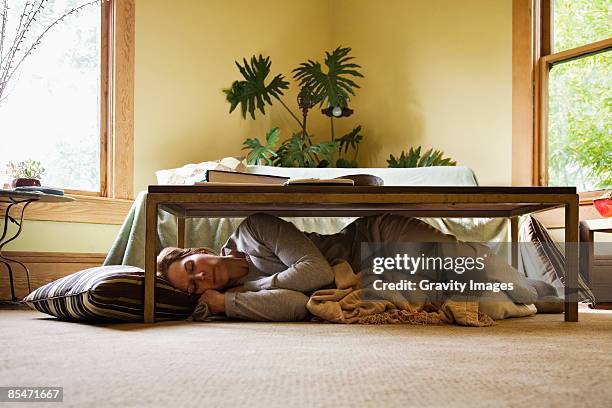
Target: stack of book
40, 189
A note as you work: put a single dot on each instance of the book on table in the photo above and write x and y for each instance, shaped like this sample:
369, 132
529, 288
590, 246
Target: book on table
220, 177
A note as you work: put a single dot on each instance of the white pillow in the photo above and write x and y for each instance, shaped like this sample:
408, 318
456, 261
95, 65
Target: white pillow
192, 173
498, 306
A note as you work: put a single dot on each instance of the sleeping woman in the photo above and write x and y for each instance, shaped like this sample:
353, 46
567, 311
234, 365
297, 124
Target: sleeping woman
268, 267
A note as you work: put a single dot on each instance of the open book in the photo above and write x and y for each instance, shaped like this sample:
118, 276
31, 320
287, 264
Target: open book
319, 181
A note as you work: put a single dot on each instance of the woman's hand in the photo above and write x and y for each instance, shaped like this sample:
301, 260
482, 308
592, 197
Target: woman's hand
214, 299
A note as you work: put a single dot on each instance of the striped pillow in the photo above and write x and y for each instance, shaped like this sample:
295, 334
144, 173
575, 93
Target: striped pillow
108, 293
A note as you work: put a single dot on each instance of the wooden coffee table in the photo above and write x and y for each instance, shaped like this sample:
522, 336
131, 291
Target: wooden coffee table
334, 201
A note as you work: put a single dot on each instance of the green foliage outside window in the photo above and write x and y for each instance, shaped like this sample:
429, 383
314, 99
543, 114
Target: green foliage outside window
580, 22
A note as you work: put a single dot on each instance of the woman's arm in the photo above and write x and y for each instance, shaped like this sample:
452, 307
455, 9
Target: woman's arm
276, 305
307, 268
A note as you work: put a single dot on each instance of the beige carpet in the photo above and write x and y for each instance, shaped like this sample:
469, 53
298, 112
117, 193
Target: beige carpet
537, 361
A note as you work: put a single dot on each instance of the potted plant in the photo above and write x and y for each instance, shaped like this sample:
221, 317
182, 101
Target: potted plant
25, 173
328, 84
603, 204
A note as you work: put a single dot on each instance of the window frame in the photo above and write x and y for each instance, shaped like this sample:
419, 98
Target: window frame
532, 59
119, 139
111, 204
547, 60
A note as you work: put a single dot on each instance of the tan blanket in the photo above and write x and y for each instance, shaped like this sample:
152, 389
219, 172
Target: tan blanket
346, 304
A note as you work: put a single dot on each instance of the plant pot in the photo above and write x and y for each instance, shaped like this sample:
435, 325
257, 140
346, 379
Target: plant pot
604, 205
23, 182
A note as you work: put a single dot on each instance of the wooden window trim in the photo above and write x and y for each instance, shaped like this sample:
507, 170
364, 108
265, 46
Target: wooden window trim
112, 203
531, 61
523, 78
531, 20
120, 139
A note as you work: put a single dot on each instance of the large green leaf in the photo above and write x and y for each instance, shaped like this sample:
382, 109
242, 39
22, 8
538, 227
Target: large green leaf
336, 84
350, 140
298, 151
252, 93
414, 159
262, 154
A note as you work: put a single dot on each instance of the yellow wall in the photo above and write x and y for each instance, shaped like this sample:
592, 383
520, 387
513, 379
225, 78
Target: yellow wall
185, 56
46, 236
438, 73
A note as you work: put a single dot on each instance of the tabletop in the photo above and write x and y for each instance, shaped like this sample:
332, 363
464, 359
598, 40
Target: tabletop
243, 188
8, 196
316, 200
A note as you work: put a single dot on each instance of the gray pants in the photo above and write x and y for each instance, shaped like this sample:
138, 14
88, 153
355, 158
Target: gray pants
399, 234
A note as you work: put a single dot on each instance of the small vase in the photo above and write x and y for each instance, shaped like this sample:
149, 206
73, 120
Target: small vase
22, 182
604, 205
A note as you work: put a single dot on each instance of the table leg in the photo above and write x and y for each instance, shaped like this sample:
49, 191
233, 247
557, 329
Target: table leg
587, 250
3, 242
514, 233
150, 264
8, 266
571, 261
180, 232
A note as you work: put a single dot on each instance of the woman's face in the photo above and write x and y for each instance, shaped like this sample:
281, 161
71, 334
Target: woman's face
199, 272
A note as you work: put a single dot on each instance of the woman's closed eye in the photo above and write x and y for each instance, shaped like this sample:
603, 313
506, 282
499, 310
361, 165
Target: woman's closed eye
191, 285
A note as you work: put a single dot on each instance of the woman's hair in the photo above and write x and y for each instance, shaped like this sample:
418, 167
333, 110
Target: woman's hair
170, 254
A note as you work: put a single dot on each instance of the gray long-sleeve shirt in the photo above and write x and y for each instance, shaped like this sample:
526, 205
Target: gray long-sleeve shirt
284, 267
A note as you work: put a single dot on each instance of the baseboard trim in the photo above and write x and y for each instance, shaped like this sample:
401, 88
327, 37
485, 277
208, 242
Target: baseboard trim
44, 267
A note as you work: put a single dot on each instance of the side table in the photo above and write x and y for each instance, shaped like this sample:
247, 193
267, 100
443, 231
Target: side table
20, 200
601, 288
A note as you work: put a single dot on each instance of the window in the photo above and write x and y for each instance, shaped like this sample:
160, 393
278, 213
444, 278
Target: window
51, 108
580, 123
100, 124
574, 137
